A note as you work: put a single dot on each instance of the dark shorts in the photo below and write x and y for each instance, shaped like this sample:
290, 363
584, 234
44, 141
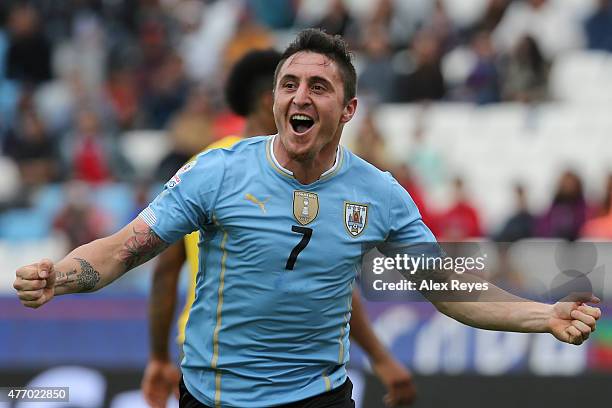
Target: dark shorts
338, 398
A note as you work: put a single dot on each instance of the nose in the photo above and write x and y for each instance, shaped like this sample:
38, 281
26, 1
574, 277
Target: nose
301, 97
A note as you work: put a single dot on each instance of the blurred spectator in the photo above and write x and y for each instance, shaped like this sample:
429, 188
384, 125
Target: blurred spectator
142, 198
153, 39
370, 145
483, 82
123, 94
418, 75
338, 21
79, 220
601, 226
525, 73
598, 27
567, 213
606, 204
91, 154
520, 225
461, 220
403, 176
167, 92
58, 100
190, 132
552, 23
32, 148
85, 52
493, 14
275, 14
425, 160
440, 23
249, 35
29, 52
402, 18
152, 55
203, 41
377, 73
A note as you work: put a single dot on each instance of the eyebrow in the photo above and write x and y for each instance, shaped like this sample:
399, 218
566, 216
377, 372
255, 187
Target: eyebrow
313, 79
320, 79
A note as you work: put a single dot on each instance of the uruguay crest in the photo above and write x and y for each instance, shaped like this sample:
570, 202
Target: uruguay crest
355, 217
305, 206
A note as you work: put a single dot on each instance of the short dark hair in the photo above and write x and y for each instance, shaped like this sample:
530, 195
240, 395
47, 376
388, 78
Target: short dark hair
333, 47
249, 78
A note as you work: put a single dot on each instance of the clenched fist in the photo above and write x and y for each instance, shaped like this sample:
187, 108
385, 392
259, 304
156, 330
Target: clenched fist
573, 322
35, 283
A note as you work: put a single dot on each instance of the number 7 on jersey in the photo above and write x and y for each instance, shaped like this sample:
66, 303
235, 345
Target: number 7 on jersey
307, 234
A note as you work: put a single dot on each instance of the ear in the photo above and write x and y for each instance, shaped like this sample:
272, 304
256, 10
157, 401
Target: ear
349, 111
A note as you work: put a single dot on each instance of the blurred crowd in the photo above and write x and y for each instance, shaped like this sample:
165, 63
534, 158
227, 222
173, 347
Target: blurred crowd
570, 215
76, 76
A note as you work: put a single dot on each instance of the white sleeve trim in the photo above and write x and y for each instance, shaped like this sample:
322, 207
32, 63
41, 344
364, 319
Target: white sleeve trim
148, 216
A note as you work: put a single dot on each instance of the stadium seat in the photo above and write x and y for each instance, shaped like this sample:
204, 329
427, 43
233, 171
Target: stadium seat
582, 77
14, 254
117, 201
457, 65
465, 13
144, 149
10, 180
24, 225
49, 199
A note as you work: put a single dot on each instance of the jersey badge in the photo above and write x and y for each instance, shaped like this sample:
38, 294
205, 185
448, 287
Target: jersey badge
355, 218
305, 206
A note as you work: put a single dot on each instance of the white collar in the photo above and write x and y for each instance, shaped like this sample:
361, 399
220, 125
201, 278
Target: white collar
289, 172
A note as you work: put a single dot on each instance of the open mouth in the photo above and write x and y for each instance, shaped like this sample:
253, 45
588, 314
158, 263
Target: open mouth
301, 123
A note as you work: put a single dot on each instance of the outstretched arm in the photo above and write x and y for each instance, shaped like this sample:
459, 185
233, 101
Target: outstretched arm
570, 321
90, 266
396, 379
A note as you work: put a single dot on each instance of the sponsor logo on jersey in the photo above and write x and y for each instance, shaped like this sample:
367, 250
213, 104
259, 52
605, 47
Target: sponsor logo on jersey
255, 200
188, 166
174, 181
355, 217
305, 206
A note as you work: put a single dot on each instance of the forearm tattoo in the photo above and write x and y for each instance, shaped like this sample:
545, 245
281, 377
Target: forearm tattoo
89, 277
141, 247
84, 280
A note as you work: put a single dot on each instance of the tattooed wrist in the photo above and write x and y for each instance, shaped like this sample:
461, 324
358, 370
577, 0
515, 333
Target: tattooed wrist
83, 279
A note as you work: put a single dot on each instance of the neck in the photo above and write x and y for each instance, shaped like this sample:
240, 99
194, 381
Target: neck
307, 171
255, 127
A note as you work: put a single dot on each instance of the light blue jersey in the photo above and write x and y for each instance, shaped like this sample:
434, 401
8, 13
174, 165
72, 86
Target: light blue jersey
270, 321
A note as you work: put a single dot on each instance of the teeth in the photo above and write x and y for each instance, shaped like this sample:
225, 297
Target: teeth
300, 117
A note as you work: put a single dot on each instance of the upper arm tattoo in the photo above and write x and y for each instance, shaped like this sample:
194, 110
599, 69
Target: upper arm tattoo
143, 245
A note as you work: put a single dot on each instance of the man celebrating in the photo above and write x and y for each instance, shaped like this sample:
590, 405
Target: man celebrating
269, 325
248, 92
